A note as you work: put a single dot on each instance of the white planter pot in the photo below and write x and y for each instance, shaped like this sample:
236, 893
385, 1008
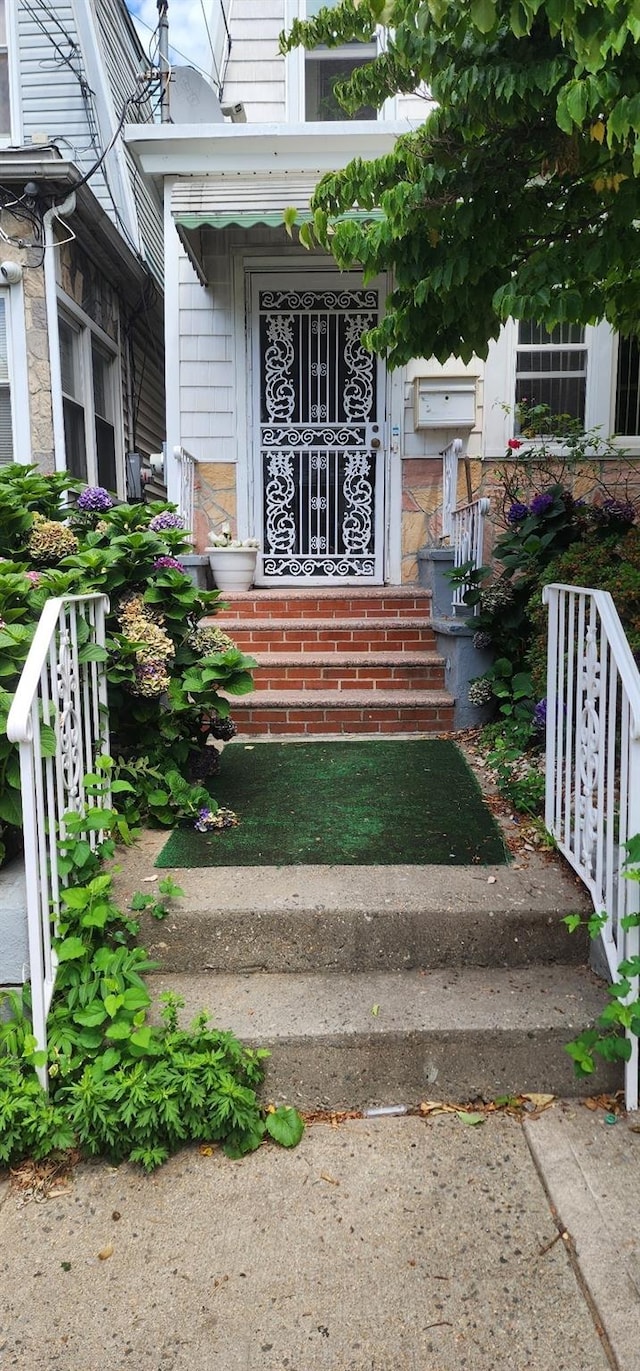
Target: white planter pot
233, 568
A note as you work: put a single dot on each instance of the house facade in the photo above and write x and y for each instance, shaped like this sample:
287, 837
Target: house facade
81, 270
302, 438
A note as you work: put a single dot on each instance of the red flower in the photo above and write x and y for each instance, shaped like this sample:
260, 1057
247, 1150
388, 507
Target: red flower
514, 443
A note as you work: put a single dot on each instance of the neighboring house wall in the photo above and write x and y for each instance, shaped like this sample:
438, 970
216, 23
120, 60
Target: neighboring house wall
255, 73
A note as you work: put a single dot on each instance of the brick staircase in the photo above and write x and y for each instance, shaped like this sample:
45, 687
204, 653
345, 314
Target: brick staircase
338, 661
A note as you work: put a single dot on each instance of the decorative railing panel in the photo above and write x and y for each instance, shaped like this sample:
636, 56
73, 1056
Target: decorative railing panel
593, 763
467, 537
186, 498
450, 458
59, 719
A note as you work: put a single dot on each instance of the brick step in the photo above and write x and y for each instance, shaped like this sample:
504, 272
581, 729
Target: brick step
349, 671
337, 602
329, 635
339, 711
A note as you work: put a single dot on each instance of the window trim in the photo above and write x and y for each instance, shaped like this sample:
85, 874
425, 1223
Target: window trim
14, 138
18, 367
294, 73
500, 388
89, 332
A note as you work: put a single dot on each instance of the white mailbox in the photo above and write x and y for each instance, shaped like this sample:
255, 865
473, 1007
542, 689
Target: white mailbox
444, 402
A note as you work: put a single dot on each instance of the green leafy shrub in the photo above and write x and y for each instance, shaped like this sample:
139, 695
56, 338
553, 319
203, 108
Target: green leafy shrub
120, 1085
165, 670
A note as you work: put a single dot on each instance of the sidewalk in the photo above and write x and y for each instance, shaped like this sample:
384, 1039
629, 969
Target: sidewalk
394, 1244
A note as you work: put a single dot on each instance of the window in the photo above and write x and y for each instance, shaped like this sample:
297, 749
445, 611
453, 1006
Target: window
6, 427
627, 420
551, 369
323, 67
5, 103
89, 388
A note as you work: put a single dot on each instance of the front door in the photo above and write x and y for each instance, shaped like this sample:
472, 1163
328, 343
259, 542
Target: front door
319, 409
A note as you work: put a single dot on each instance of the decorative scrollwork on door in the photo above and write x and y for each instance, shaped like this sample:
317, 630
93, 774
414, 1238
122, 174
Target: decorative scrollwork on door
318, 407
279, 390
280, 524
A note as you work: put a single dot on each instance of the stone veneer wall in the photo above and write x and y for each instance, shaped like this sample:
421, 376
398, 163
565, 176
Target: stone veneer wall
37, 359
215, 500
422, 505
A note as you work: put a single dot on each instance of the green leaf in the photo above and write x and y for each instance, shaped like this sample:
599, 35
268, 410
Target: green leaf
70, 950
285, 1126
92, 1016
48, 742
92, 652
118, 1031
483, 14
472, 1119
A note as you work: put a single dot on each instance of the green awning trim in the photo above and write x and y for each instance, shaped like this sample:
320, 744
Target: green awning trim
269, 218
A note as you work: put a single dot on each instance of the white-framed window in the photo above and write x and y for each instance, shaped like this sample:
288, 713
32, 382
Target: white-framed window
5, 94
627, 405
91, 405
324, 67
551, 371
589, 373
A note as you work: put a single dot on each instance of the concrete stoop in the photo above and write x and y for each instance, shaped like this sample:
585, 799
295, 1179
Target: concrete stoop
378, 985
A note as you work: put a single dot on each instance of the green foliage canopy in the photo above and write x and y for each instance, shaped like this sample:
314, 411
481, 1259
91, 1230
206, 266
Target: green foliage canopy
519, 195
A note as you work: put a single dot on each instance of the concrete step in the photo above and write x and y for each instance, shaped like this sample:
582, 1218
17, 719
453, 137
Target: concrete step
333, 602
301, 713
408, 634
349, 671
366, 918
348, 1041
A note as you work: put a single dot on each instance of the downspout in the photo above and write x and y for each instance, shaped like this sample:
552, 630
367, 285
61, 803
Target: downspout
51, 298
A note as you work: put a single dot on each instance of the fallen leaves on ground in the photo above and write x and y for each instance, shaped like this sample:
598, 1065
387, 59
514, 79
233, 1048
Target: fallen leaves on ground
476, 1111
48, 1179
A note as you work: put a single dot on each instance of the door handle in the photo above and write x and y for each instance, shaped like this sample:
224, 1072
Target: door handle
375, 442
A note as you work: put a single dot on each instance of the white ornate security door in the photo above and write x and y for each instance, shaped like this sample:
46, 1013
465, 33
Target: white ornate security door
319, 403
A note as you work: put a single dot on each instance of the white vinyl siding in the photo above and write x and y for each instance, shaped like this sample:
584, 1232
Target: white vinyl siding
255, 73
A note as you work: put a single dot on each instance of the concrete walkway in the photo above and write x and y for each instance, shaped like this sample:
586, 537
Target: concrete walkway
394, 1244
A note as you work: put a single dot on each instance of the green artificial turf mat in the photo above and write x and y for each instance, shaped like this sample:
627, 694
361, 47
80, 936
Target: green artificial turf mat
368, 803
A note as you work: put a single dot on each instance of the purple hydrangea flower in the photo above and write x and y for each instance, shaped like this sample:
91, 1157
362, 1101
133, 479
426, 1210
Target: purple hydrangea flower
95, 499
167, 562
540, 716
517, 512
165, 520
541, 503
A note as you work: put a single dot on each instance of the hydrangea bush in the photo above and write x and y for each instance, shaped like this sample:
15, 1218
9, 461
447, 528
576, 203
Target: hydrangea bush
167, 674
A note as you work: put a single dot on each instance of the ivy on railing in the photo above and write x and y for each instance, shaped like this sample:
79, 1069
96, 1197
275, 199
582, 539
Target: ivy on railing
611, 1037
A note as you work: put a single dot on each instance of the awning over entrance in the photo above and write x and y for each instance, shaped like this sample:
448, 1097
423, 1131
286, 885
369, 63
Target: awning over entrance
243, 200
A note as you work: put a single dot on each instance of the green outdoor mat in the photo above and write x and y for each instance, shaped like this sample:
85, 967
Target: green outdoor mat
345, 803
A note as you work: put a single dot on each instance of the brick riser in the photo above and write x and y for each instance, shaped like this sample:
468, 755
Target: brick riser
337, 635
374, 603
338, 662
280, 672
305, 717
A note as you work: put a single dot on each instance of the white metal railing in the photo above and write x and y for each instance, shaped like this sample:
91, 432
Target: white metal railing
467, 536
450, 458
593, 764
59, 719
186, 498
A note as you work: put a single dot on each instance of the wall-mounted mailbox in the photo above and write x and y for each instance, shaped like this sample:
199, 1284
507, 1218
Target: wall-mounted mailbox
443, 402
